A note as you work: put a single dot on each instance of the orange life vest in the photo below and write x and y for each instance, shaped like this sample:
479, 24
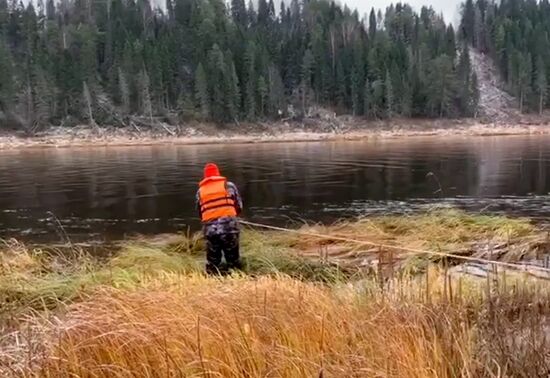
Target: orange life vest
215, 200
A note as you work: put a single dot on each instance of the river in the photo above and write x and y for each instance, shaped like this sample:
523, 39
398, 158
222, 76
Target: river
108, 193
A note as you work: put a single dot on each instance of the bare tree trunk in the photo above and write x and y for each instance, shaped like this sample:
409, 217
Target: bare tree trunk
304, 100
89, 109
333, 49
541, 102
30, 107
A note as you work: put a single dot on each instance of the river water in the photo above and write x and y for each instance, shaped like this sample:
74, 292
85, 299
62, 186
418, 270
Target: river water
107, 193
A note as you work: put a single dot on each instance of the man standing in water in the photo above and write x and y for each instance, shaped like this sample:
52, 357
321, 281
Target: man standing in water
219, 203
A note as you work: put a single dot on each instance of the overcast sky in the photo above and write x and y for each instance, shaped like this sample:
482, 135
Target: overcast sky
449, 8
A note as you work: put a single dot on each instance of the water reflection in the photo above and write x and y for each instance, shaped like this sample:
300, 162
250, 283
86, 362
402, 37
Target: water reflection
105, 193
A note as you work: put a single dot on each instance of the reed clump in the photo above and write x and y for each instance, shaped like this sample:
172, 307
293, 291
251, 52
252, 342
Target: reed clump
443, 229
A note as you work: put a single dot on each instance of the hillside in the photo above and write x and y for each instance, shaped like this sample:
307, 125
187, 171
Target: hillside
495, 104
513, 36
129, 64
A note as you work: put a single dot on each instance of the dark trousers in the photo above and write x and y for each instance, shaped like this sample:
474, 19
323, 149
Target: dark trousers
219, 245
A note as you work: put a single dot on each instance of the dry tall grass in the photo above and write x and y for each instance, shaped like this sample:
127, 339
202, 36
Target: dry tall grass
280, 327
147, 312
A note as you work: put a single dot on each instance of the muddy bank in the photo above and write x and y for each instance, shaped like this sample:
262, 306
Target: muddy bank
318, 129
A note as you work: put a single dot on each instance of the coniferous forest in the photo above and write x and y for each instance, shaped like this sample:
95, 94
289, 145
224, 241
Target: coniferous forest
515, 33
105, 62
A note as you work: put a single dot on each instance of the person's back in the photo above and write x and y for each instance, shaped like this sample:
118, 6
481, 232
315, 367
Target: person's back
219, 203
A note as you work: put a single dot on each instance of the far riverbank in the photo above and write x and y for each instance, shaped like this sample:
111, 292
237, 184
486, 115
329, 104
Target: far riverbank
318, 129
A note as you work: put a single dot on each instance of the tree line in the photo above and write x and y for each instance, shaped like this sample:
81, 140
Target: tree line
515, 33
119, 61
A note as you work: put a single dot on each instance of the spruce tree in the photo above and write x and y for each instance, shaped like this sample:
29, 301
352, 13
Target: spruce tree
262, 95
201, 92
442, 86
341, 86
377, 99
124, 92
474, 95
372, 24
356, 88
307, 71
276, 92
541, 83
50, 10
366, 99
233, 94
524, 68
146, 105
7, 85
218, 83
464, 74
239, 13
388, 95
467, 25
